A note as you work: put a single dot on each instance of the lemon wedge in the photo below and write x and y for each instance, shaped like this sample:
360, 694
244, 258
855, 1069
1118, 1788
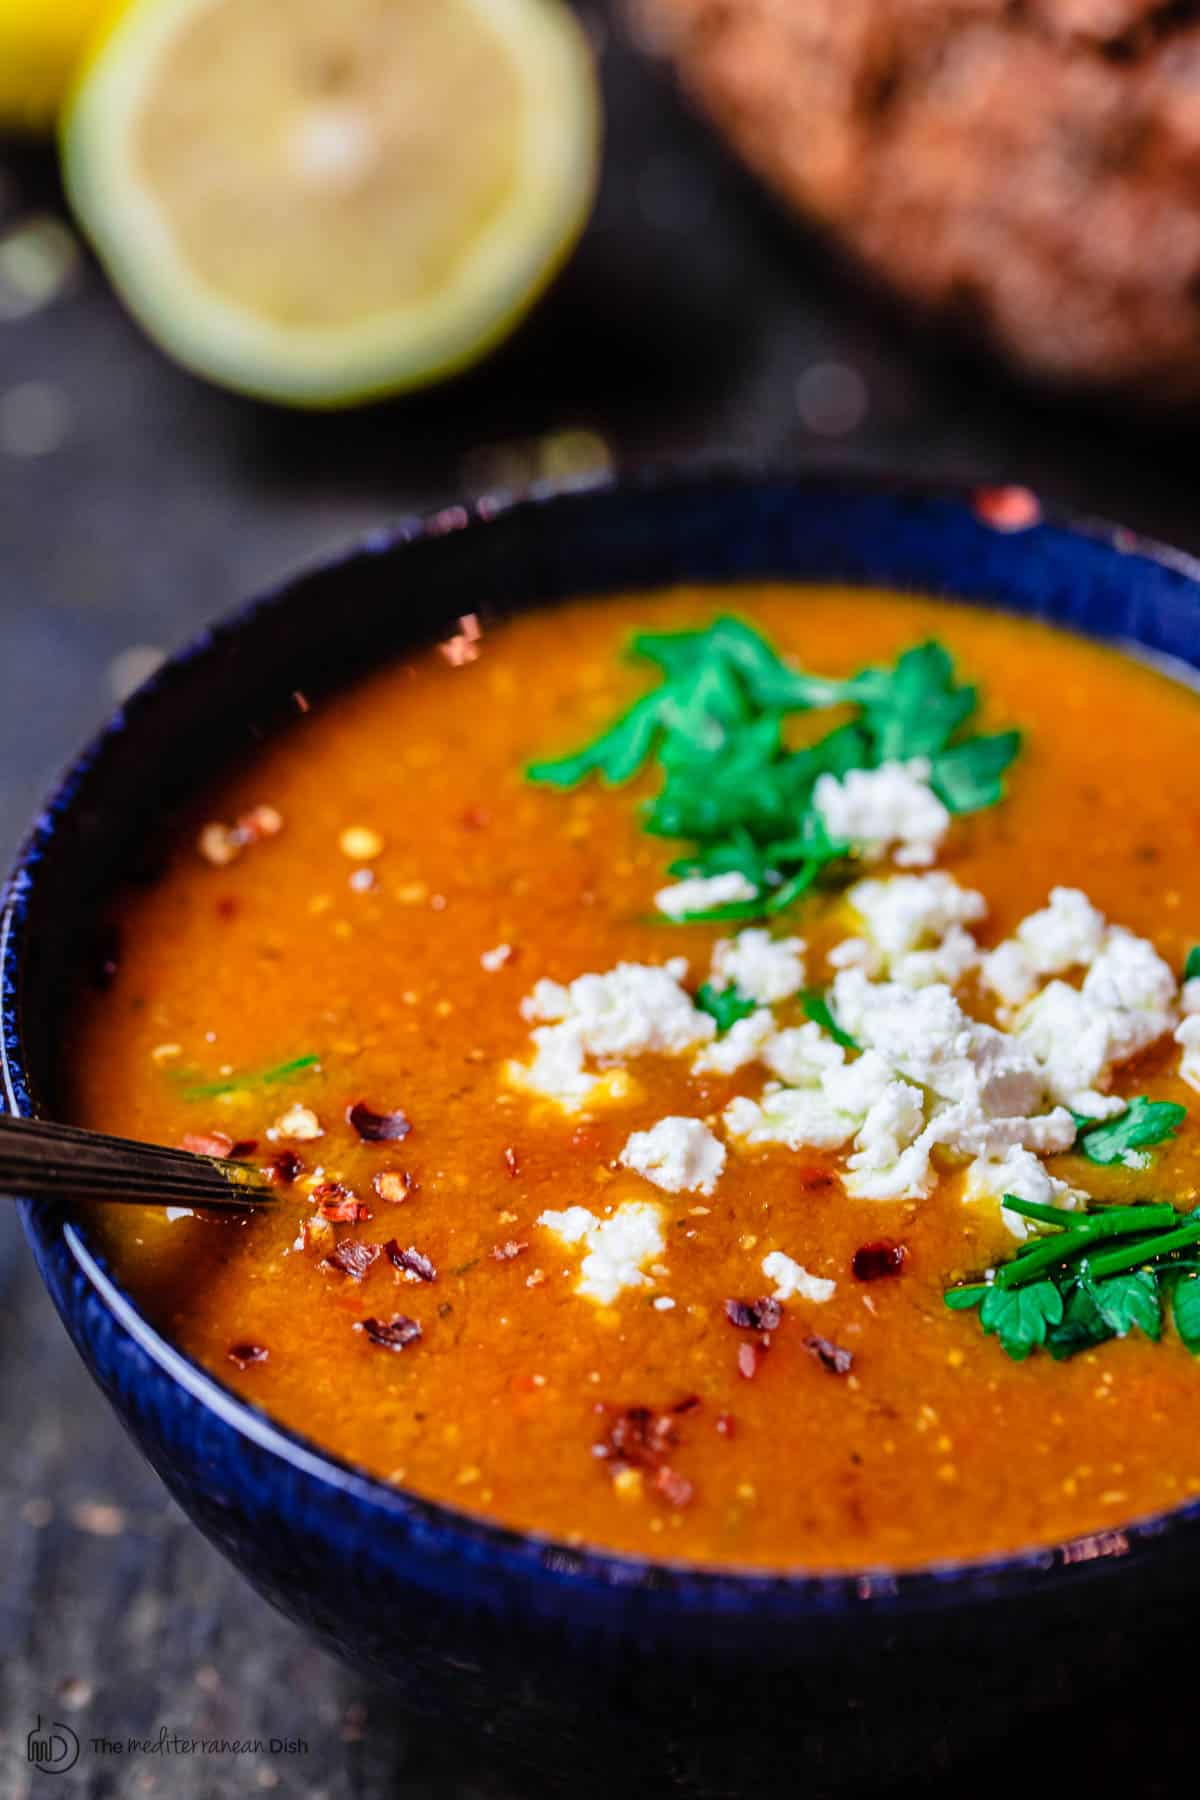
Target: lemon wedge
319, 202
40, 45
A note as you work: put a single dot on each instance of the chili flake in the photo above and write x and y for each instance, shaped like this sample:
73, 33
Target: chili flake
206, 1143
396, 1333
352, 1258
376, 1127
874, 1262
754, 1315
410, 1262
830, 1356
395, 1185
246, 1354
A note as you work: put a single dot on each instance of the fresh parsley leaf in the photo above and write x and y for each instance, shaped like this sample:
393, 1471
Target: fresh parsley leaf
962, 1299
1081, 1328
1125, 1139
616, 754
736, 789
1191, 967
1185, 1310
919, 709
234, 1084
817, 1007
1019, 1317
725, 1005
1126, 1301
968, 777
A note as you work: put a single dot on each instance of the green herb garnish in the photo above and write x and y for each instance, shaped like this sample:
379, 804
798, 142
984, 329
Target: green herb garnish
733, 788
1102, 1274
1127, 1138
818, 1010
725, 1005
1191, 967
234, 1084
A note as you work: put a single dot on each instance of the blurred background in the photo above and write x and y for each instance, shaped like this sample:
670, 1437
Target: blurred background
906, 237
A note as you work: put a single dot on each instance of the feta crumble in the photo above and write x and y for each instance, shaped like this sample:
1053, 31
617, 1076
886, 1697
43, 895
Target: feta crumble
703, 892
1018, 1172
678, 1155
764, 968
745, 1042
792, 1279
632, 1010
616, 1246
876, 809
1066, 934
491, 960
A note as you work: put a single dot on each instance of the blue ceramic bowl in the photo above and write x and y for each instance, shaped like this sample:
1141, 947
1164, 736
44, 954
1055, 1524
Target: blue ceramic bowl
600, 1672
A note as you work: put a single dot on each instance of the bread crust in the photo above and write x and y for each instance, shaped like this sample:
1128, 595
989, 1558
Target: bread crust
1030, 166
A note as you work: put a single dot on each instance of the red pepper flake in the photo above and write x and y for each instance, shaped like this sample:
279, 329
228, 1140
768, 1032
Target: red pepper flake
474, 819
813, 1176
284, 1166
725, 1425
511, 1160
754, 1315
747, 1361
505, 1252
260, 822
874, 1262
396, 1333
206, 1143
676, 1489
376, 1127
300, 701
1007, 508
830, 1356
638, 1438
410, 1262
245, 1354
226, 907
692, 1402
463, 647
395, 1186
352, 1258
242, 1148
337, 1204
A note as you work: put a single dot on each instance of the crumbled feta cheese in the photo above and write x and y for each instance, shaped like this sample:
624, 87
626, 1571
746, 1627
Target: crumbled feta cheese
1188, 1037
763, 968
1189, 997
679, 1155
703, 892
496, 959
631, 1010
796, 1117
792, 1279
1019, 1173
891, 1155
802, 1055
744, 1042
664, 1303
616, 1247
910, 912
874, 809
1066, 934
1078, 1036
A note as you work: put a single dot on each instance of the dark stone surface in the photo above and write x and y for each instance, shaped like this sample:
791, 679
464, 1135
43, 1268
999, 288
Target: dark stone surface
688, 325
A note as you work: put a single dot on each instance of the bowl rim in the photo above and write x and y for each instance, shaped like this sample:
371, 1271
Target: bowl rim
708, 1588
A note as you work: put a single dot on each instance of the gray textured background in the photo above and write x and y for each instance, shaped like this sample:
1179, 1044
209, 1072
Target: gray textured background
136, 504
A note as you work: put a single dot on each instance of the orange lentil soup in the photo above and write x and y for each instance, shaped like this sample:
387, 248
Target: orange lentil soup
435, 1297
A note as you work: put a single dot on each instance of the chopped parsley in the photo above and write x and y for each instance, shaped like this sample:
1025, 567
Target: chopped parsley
1191, 968
733, 787
1102, 1274
235, 1084
818, 1009
725, 1005
1127, 1138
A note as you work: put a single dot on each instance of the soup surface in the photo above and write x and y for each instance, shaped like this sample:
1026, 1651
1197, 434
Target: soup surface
706, 1343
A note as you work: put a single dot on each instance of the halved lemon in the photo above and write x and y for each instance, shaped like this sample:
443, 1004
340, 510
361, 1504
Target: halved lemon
323, 201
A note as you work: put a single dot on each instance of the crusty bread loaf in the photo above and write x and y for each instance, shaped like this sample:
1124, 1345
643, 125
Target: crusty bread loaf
1031, 165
